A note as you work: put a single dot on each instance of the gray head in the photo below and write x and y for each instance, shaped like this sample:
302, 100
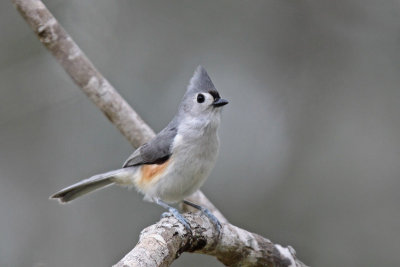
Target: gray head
201, 98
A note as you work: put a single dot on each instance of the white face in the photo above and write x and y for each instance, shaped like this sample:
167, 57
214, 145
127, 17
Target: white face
200, 111
202, 103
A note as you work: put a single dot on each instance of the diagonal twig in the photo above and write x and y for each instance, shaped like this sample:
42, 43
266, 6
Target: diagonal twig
83, 72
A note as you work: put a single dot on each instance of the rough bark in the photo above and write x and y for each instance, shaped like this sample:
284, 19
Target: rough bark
162, 243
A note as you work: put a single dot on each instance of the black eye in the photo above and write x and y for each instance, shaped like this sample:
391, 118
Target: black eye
200, 98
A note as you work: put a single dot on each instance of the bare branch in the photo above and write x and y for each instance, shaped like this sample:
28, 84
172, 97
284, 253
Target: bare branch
161, 243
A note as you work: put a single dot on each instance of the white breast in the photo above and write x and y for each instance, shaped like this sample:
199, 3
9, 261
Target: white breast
194, 153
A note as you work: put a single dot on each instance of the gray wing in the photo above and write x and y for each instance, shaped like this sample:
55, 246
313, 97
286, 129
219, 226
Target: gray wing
156, 151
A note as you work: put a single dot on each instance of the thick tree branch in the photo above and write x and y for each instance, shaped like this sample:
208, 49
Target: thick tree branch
161, 243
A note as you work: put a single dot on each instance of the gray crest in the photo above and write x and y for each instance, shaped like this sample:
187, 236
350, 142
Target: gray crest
200, 82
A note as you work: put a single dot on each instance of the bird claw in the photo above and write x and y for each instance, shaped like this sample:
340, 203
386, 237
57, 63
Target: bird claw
175, 213
165, 215
213, 219
181, 219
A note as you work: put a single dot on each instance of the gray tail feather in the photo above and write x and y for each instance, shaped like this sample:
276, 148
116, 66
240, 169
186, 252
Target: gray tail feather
86, 186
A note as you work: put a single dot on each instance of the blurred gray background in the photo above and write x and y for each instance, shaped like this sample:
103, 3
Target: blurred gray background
310, 153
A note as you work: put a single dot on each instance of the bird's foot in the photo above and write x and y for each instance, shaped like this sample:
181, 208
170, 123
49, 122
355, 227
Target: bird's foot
165, 214
181, 219
175, 213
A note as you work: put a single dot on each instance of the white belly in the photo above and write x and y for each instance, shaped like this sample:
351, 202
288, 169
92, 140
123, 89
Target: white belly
191, 163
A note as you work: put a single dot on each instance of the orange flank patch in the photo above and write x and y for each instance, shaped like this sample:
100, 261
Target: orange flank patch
150, 172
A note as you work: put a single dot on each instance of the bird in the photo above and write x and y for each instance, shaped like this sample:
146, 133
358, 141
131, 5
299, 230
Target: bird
177, 161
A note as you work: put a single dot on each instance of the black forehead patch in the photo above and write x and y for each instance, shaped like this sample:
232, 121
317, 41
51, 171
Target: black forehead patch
214, 94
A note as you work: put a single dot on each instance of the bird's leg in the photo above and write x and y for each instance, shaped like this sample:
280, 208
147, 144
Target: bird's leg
174, 212
208, 213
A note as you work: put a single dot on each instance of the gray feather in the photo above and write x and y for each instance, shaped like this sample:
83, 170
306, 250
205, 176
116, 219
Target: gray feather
86, 186
157, 151
200, 82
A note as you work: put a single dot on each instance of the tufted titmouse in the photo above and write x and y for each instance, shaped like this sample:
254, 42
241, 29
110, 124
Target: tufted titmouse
177, 161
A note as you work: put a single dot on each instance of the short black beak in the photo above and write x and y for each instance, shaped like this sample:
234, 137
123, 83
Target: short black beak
219, 102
